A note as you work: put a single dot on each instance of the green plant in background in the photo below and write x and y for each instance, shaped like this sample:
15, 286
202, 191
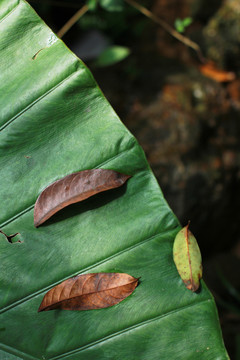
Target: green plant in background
116, 18
111, 55
182, 24
112, 5
104, 15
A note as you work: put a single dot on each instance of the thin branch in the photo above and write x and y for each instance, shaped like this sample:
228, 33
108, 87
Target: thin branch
185, 40
72, 21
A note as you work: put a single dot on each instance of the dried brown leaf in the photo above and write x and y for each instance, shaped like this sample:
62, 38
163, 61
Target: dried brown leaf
89, 291
210, 70
74, 188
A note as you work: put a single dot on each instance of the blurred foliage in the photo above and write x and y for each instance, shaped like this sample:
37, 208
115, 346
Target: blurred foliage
112, 55
114, 23
182, 24
112, 5
110, 18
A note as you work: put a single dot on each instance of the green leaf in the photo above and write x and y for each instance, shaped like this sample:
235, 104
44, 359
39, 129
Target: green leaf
181, 24
55, 121
187, 258
187, 21
112, 5
7, 356
111, 55
92, 4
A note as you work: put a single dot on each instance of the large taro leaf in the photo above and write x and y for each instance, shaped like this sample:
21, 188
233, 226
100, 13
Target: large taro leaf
55, 121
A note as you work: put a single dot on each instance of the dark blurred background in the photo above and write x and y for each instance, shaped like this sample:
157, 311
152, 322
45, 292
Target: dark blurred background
184, 113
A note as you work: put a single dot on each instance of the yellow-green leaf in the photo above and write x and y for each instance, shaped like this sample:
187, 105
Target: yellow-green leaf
187, 258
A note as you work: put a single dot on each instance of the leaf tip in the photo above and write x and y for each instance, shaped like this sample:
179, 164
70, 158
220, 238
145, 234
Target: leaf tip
36, 223
193, 286
123, 177
41, 307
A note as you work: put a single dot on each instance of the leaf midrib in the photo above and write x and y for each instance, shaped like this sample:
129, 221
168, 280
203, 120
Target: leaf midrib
6, 349
90, 293
8, 122
132, 327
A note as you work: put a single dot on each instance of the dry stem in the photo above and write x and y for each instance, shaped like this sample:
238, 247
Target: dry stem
72, 21
185, 40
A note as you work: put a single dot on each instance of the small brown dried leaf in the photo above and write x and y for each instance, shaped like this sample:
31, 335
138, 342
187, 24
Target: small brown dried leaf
74, 188
89, 291
211, 71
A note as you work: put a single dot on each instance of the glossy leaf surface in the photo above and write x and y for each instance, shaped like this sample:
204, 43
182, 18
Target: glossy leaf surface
74, 188
187, 258
55, 121
89, 291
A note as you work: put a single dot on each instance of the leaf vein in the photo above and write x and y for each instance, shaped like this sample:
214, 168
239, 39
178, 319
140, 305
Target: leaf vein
10, 12
88, 268
37, 100
132, 327
7, 348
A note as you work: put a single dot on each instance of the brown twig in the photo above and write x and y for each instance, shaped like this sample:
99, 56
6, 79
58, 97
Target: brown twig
72, 21
185, 40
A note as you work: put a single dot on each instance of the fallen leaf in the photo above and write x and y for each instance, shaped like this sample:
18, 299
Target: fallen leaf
211, 71
74, 188
89, 291
187, 258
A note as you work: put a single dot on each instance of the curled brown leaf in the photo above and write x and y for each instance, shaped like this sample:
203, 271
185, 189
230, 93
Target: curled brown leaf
74, 188
89, 291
